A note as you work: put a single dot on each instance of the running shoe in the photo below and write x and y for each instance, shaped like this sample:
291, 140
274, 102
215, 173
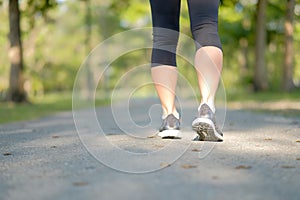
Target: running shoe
170, 127
205, 125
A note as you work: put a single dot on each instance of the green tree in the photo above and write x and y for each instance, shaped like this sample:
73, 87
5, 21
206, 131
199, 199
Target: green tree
16, 91
88, 35
260, 72
288, 66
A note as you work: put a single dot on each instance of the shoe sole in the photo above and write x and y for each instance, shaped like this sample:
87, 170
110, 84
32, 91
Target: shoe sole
170, 134
206, 130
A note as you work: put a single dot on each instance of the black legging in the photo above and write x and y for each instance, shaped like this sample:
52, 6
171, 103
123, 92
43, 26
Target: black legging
165, 14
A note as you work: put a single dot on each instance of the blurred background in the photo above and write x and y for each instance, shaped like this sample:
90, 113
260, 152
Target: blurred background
44, 42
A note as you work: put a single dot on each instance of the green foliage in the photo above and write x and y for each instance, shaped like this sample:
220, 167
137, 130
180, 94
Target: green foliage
4, 45
54, 40
33, 9
229, 3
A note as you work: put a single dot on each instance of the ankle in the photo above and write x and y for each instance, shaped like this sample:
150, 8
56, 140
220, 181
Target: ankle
210, 103
174, 112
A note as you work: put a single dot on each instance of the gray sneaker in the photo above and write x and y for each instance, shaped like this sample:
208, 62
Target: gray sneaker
170, 127
205, 125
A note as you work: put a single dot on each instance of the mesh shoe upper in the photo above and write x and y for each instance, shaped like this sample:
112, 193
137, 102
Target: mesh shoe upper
205, 125
206, 112
170, 123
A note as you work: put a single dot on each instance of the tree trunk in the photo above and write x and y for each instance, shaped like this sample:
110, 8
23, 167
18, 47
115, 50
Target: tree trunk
260, 72
88, 36
288, 83
16, 91
243, 58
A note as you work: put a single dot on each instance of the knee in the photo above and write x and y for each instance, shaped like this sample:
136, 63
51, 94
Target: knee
165, 39
164, 46
206, 34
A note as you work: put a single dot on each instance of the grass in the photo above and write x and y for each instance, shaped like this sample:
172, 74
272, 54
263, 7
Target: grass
39, 107
268, 96
277, 103
57, 102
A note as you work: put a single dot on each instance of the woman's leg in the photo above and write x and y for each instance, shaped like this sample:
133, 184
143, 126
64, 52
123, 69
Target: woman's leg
165, 79
165, 19
209, 56
208, 63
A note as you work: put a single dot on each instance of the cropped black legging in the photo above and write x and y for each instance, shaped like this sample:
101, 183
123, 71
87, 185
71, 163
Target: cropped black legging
165, 20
